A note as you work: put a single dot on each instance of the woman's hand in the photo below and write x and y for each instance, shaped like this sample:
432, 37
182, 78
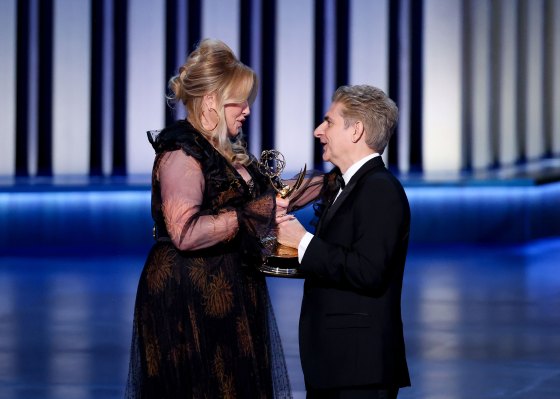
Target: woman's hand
281, 207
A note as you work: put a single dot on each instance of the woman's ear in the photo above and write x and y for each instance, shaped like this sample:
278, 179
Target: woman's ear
210, 101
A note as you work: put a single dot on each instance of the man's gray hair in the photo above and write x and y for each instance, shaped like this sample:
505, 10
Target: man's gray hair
371, 106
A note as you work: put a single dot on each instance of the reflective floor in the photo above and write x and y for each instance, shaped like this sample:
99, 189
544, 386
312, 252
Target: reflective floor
480, 322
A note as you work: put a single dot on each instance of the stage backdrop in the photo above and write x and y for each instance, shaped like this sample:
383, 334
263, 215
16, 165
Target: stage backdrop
477, 81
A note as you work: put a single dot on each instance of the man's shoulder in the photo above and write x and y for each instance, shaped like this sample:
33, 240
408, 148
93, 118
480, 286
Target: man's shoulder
378, 174
381, 179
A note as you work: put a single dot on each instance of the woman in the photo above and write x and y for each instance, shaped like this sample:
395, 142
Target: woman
203, 326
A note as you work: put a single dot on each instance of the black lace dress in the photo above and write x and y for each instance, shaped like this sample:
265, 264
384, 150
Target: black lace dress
203, 323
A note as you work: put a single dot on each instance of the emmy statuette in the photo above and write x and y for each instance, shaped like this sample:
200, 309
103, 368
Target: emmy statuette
284, 260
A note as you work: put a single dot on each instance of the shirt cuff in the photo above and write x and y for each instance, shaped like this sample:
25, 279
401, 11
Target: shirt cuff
303, 244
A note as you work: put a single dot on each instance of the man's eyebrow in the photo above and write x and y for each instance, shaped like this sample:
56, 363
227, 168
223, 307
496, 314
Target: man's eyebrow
327, 118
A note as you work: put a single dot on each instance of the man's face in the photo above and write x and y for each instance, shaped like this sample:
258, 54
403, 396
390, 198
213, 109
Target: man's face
335, 138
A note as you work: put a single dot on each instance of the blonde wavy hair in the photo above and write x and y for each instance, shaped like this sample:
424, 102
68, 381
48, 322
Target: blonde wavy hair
213, 68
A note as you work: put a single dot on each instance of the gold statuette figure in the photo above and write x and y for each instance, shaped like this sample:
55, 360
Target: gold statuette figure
284, 260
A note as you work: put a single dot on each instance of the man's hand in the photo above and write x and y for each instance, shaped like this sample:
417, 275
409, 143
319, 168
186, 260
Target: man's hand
290, 231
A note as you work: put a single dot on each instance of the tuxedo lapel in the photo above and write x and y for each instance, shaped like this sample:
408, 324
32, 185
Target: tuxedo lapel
370, 165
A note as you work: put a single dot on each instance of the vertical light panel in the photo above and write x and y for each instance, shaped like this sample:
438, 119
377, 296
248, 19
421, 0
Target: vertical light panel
328, 66
481, 83
7, 86
507, 75
146, 81
294, 82
33, 89
369, 52
442, 85
71, 87
182, 51
403, 127
255, 142
555, 78
534, 65
107, 145
326, 61
220, 20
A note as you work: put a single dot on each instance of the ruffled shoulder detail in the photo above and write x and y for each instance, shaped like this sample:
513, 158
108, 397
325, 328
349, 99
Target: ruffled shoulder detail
181, 135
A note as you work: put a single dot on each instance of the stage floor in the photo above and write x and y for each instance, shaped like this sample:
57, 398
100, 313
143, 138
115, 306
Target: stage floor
480, 322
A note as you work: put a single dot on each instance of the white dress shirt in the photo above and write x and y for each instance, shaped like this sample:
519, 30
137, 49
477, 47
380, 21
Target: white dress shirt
306, 239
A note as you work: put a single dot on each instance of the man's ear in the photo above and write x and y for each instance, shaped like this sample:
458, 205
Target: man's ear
358, 131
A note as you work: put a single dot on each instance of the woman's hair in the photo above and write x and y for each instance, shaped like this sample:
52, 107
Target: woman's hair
213, 68
373, 108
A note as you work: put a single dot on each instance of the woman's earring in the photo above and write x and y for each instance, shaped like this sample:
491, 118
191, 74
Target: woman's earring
217, 118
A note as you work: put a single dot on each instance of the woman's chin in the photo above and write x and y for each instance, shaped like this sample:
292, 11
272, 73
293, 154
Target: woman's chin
235, 133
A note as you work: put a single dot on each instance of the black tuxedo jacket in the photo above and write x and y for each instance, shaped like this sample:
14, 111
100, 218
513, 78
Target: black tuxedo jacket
350, 326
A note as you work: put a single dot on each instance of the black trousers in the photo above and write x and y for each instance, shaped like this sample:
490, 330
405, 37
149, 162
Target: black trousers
359, 392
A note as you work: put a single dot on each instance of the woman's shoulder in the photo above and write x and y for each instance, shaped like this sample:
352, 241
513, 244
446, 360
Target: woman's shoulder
181, 135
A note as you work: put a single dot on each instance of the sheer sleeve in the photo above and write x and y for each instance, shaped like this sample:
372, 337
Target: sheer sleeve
182, 188
309, 190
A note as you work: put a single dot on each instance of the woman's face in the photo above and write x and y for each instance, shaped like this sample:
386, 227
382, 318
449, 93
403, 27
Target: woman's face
235, 116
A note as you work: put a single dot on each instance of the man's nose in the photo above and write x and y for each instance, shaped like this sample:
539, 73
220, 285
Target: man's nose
318, 130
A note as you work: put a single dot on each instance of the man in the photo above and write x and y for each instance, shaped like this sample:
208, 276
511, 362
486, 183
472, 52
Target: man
350, 331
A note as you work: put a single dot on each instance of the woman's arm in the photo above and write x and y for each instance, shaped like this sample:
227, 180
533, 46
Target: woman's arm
182, 187
308, 191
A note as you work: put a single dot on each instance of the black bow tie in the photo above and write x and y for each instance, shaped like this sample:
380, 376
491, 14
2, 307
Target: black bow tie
340, 182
